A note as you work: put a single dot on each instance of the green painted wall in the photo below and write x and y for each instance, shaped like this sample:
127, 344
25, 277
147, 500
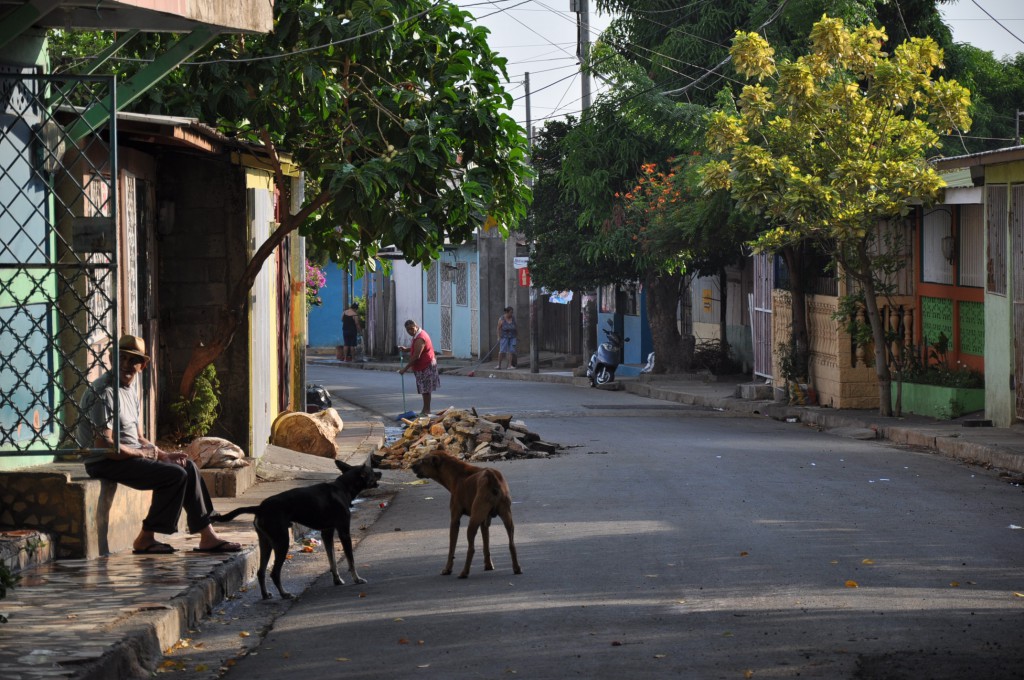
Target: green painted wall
999, 398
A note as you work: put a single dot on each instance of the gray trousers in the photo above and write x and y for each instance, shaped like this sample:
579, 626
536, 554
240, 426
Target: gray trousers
175, 488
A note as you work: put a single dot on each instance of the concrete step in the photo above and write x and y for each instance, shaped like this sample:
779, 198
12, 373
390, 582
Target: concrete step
755, 391
83, 517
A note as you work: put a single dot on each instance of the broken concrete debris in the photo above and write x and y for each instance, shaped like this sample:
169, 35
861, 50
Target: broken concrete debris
465, 435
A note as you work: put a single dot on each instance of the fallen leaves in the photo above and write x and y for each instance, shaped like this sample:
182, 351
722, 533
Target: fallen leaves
852, 584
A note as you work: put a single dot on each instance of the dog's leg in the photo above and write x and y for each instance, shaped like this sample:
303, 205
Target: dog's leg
265, 550
279, 538
453, 536
506, 518
485, 536
346, 546
474, 523
328, 538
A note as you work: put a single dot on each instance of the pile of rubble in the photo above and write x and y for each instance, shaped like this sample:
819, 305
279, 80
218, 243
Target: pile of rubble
466, 436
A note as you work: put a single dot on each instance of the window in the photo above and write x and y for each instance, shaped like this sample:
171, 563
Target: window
996, 206
431, 275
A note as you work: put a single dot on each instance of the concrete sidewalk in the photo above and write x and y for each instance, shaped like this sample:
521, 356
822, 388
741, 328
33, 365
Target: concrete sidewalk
114, 617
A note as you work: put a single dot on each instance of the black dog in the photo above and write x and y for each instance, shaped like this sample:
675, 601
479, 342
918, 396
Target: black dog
324, 507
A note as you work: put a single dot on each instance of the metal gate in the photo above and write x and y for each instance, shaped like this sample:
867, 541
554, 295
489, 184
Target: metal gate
58, 256
761, 314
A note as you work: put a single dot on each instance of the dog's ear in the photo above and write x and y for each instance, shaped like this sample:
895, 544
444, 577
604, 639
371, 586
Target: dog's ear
369, 463
343, 466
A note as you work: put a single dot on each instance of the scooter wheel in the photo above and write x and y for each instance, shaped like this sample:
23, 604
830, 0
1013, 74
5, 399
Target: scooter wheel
603, 376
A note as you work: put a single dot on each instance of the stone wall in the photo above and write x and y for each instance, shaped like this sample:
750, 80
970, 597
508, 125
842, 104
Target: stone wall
85, 517
202, 253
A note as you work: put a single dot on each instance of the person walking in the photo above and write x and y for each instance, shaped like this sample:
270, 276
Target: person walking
508, 338
350, 330
422, 362
140, 464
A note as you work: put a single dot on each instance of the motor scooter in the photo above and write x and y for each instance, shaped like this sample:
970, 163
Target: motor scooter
603, 362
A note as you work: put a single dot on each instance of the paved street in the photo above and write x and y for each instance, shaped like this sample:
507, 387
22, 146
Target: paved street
674, 542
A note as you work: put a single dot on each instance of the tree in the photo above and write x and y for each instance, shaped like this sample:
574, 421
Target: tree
393, 108
834, 143
556, 261
604, 155
997, 90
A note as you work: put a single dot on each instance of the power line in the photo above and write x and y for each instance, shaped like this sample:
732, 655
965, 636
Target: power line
999, 23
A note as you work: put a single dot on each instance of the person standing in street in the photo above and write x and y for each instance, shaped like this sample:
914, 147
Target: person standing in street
508, 338
140, 464
422, 362
350, 330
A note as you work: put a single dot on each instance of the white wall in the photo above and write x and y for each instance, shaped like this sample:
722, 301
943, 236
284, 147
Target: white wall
408, 295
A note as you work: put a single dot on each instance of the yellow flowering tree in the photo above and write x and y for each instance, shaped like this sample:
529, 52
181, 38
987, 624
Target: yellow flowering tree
826, 146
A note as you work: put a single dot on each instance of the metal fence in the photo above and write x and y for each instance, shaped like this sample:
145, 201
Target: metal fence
59, 282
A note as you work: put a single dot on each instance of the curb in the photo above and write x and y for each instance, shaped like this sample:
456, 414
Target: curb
948, 445
146, 634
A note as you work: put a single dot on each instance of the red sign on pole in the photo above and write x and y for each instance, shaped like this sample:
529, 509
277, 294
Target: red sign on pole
524, 277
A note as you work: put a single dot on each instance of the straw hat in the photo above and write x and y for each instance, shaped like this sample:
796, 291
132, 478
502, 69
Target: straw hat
132, 344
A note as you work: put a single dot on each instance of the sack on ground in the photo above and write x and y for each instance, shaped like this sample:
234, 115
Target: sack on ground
214, 452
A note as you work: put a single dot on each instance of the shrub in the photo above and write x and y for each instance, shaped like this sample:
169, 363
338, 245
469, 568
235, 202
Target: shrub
716, 357
197, 415
936, 369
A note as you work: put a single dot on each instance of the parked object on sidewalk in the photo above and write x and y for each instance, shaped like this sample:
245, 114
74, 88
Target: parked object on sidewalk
649, 366
604, 362
214, 452
324, 507
467, 436
480, 494
312, 433
317, 398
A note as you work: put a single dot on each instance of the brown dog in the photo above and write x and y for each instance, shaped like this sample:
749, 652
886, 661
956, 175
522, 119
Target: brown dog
481, 493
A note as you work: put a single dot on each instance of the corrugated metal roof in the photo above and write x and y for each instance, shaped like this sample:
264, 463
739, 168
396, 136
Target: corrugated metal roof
1005, 155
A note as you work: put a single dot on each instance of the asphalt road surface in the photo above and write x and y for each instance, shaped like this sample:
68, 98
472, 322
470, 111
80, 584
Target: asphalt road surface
670, 542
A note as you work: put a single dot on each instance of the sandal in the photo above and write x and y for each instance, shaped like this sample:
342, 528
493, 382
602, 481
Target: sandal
156, 548
221, 547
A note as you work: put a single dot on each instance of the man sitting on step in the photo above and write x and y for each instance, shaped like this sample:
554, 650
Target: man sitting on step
140, 464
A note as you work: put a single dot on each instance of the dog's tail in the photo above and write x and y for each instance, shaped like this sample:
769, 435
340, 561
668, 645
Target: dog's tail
250, 509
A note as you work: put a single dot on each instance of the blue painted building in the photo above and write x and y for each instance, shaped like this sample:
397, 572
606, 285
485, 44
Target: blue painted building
325, 321
627, 310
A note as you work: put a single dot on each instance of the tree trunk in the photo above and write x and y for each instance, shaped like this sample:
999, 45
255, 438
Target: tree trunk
723, 304
867, 281
671, 355
798, 295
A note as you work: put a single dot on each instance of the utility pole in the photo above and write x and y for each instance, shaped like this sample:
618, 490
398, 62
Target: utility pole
1017, 121
588, 299
534, 331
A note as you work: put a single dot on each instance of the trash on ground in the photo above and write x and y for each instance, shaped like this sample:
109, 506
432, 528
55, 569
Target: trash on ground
465, 435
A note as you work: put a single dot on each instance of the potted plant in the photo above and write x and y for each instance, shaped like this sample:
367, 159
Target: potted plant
937, 389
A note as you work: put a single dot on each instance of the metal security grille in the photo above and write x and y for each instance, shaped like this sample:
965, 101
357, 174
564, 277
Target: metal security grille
58, 254
446, 306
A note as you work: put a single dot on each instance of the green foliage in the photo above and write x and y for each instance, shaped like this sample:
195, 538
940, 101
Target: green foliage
395, 110
556, 261
937, 370
716, 357
792, 362
997, 89
196, 415
7, 581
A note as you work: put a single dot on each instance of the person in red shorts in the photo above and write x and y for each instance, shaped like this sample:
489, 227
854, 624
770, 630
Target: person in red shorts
422, 362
